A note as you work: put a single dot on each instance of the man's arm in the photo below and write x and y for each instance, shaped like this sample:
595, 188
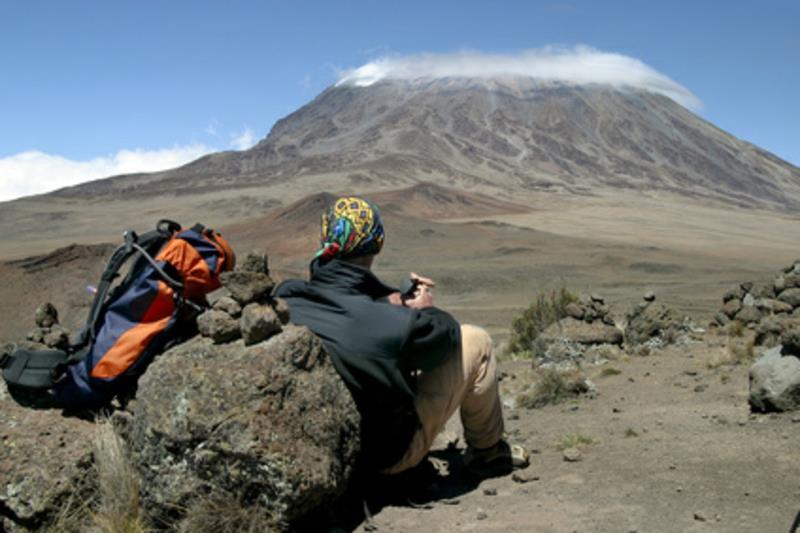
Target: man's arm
434, 335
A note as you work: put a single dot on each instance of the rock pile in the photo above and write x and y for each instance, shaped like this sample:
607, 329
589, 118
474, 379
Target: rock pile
223, 434
750, 302
654, 325
48, 331
769, 308
249, 313
588, 326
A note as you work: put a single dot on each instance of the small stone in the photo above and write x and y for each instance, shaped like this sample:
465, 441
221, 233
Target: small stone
572, 455
700, 388
450, 501
37, 335
218, 326
247, 287
616, 410
228, 305
258, 323
254, 261
679, 489
490, 492
700, 516
522, 476
574, 310
57, 338
732, 307
796, 419
282, 308
46, 315
482, 516
650, 296
597, 298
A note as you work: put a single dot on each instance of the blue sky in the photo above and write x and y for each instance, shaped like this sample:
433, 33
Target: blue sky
93, 87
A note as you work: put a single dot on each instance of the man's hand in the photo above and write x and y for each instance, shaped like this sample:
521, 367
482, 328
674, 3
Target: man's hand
421, 280
423, 297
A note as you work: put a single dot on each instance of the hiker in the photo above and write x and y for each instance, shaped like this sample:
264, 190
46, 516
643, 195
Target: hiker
409, 365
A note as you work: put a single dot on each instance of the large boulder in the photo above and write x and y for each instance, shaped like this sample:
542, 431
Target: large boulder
269, 428
45, 462
775, 381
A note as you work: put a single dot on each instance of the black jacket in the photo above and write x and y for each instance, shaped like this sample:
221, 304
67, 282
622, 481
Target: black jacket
376, 347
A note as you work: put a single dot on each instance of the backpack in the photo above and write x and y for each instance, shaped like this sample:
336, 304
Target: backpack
153, 308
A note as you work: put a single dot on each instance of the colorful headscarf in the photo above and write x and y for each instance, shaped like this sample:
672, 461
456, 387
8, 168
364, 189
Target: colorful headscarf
352, 227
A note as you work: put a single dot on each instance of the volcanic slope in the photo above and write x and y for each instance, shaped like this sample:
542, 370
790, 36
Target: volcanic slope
498, 135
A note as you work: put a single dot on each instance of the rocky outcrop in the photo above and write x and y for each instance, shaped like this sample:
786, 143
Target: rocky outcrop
270, 426
655, 325
575, 339
45, 461
258, 430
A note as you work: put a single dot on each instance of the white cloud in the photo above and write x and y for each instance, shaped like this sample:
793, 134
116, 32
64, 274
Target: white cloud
578, 65
244, 140
35, 172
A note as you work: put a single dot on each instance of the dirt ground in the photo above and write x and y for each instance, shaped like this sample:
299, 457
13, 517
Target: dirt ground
673, 447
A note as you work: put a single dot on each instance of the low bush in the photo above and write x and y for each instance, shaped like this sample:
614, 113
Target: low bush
548, 308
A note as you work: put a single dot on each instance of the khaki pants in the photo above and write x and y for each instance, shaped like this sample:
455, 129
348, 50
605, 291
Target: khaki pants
466, 379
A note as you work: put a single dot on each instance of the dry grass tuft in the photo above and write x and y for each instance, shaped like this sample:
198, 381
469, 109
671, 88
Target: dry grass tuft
610, 371
224, 512
552, 388
573, 440
118, 509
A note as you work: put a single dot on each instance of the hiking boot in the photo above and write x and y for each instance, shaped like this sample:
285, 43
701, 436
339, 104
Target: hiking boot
496, 460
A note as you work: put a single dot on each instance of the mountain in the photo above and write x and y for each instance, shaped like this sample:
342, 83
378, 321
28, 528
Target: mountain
500, 136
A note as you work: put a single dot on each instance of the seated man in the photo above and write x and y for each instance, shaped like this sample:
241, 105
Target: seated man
408, 364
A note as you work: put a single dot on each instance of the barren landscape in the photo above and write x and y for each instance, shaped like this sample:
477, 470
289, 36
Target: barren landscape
504, 198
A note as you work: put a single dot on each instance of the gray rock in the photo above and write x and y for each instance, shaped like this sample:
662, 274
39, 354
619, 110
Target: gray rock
259, 323
228, 305
746, 287
254, 261
732, 307
270, 429
572, 455
791, 336
792, 281
247, 287
282, 309
771, 328
574, 310
775, 382
791, 297
722, 319
45, 460
597, 298
46, 315
218, 326
57, 337
749, 314
749, 300
656, 321
650, 296
581, 332
736, 293
780, 283
37, 334
763, 290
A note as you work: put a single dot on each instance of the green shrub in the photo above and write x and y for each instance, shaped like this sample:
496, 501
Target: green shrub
546, 309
